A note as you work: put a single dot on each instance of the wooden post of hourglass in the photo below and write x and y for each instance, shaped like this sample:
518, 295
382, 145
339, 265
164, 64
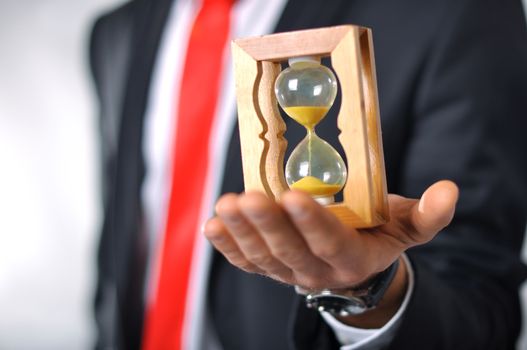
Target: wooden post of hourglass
257, 65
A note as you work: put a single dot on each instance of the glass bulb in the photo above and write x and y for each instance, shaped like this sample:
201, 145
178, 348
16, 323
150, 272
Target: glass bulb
306, 83
306, 91
315, 167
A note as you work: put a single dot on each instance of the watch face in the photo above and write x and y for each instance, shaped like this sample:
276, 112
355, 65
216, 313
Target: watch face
336, 304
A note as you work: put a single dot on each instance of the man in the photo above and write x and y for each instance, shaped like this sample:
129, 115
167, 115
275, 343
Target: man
453, 92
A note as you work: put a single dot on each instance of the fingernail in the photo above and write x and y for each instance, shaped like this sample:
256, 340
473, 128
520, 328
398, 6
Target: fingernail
421, 206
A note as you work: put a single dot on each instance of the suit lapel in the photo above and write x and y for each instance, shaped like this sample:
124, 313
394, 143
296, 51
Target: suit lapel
130, 241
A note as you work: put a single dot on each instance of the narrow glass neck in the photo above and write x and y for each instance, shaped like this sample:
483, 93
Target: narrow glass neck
310, 131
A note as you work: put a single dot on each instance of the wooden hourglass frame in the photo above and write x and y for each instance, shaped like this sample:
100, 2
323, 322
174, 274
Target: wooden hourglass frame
256, 67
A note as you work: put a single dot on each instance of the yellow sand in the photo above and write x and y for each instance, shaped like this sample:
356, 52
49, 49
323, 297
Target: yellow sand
308, 116
315, 187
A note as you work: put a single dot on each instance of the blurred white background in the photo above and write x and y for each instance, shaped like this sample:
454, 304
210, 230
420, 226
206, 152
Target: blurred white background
49, 210
48, 174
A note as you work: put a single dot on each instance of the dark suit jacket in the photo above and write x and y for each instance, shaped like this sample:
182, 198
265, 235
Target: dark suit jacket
452, 77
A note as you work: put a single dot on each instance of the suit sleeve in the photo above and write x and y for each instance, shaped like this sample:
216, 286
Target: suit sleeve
470, 120
108, 51
468, 123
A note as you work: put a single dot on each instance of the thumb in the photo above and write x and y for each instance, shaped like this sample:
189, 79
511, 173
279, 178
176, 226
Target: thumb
434, 210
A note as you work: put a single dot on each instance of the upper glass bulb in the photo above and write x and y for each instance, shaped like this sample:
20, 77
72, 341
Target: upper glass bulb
306, 91
306, 83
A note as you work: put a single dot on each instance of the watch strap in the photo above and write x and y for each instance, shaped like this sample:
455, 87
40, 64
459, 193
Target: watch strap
351, 301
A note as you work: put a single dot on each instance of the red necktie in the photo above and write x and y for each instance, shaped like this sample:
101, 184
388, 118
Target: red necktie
197, 106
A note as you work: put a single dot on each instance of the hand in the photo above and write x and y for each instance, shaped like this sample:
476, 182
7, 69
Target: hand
296, 241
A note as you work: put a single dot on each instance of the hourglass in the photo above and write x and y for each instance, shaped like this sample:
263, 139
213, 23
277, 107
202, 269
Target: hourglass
306, 91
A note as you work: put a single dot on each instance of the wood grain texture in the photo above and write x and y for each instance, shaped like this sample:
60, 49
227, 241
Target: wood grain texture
351, 120
347, 216
251, 122
277, 144
369, 84
256, 63
280, 47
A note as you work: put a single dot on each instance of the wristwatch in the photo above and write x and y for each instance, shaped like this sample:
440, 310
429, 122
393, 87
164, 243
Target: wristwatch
351, 301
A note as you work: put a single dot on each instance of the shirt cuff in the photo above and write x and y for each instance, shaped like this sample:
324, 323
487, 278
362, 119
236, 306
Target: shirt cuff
352, 338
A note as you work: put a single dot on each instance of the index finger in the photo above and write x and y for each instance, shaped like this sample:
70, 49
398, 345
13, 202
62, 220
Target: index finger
326, 236
283, 240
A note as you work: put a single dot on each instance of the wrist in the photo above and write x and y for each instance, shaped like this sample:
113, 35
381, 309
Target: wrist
352, 300
387, 306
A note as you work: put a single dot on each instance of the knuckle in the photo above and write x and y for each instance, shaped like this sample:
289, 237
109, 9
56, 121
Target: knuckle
328, 251
280, 273
348, 278
240, 262
230, 252
291, 256
408, 234
261, 259
246, 266
312, 283
241, 232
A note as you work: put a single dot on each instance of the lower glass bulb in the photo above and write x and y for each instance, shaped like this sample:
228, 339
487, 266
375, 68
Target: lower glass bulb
316, 168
